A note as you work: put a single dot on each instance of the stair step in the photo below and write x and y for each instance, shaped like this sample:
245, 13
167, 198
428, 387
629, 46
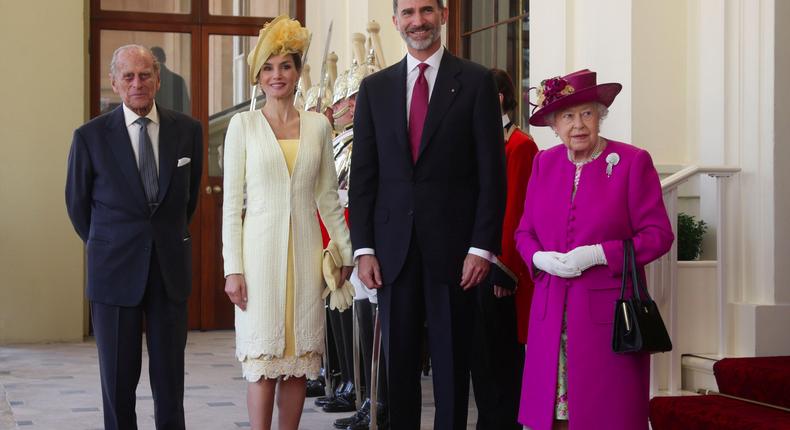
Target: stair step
763, 379
713, 412
697, 372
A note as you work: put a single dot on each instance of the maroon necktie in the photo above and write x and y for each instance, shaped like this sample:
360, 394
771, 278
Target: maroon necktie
418, 111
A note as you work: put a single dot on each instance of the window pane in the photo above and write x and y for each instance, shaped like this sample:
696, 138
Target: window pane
153, 6
174, 53
499, 47
256, 8
228, 90
480, 13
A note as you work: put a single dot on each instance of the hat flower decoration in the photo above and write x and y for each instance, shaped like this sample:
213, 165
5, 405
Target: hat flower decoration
562, 92
552, 89
279, 36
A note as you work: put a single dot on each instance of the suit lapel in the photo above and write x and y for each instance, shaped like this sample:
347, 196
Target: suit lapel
168, 150
399, 98
118, 140
444, 91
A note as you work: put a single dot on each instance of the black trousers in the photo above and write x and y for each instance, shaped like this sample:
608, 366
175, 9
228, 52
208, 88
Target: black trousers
405, 305
497, 361
118, 331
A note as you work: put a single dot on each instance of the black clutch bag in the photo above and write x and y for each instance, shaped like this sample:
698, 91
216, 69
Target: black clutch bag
502, 276
638, 326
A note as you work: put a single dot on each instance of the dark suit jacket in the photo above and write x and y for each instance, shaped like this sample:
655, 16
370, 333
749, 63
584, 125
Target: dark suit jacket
454, 196
109, 211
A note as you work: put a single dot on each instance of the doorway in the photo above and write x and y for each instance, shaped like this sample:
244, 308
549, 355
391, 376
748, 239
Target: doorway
202, 46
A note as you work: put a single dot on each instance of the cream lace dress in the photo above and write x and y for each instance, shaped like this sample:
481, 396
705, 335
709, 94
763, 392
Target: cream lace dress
289, 364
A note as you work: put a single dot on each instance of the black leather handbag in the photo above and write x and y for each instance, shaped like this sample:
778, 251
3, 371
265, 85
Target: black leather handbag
638, 326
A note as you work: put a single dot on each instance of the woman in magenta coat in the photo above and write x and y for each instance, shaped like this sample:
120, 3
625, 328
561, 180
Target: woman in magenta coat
584, 198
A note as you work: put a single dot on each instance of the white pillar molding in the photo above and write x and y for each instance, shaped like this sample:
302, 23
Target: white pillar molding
733, 61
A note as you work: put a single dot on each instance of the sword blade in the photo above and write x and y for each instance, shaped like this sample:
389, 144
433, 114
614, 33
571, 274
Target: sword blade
322, 78
374, 373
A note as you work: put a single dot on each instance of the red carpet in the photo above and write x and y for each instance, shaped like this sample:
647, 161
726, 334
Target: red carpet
713, 413
764, 379
761, 379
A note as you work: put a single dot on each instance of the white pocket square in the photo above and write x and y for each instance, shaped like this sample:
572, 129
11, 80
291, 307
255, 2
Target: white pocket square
183, 161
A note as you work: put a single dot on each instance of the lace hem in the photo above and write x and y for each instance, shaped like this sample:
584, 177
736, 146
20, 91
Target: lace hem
308, 365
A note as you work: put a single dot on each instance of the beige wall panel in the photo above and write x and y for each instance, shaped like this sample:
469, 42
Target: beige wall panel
659, 96
45, 94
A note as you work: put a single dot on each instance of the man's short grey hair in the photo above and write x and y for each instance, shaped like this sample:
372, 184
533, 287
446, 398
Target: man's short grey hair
124, 48
395, 6
603, 112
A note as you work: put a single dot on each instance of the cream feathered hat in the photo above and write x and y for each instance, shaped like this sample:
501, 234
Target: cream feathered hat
279, 36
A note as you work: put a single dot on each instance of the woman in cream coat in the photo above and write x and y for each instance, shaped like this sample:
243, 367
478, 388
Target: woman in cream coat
273, 251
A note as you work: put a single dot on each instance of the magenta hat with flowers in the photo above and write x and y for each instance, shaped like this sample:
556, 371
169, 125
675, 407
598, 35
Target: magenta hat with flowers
579, 87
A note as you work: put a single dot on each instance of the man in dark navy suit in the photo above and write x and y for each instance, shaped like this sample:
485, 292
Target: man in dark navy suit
132, 187
427, 198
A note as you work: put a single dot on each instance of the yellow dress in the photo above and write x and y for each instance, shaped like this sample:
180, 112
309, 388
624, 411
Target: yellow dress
289, 364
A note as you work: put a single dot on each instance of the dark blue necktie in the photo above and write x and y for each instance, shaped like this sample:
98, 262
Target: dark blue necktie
148, 171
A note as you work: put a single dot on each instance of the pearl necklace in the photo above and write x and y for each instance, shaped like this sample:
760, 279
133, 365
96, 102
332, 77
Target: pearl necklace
597, 151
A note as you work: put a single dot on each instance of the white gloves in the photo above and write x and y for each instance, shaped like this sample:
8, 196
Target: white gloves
552, 263
570, 264
586, 256
339, 298
338, 289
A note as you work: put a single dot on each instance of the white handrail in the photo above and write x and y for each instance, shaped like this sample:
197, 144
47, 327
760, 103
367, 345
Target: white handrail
663, 272
684, 174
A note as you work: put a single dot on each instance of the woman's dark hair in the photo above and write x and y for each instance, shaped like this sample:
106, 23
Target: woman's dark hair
504, 86
297, 61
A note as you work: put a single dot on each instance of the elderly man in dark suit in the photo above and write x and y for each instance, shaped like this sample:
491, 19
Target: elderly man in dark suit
427, 198
132, 186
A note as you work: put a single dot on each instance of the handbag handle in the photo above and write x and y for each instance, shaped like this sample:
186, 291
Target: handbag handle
629, 266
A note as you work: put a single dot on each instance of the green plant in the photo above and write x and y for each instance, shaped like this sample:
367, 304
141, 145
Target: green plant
690, 232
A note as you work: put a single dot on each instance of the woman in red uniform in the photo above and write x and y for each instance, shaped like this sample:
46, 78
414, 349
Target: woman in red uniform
520, 149
500, 317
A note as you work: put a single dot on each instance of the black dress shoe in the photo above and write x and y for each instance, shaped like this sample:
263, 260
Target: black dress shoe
341, 388
323, 400
362, 413
363, 424
341, 403
314, 388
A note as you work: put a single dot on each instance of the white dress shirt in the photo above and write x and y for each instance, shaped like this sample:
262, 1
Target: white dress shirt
412, 73
134, 132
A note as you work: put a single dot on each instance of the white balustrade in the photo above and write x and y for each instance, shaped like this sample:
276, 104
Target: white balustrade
663, 275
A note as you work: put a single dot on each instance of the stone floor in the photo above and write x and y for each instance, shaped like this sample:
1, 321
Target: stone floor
56, 386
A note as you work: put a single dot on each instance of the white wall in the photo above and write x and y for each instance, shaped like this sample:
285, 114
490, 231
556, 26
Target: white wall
782, 150
44, 94
349, 16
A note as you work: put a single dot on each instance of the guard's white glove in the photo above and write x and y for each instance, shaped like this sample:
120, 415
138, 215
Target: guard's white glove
584, 257
340, 298
338, 289
553, 263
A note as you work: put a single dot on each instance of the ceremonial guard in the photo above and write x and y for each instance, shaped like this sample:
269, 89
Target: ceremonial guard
366, 334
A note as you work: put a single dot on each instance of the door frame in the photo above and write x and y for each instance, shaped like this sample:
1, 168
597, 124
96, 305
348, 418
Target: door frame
199, 24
